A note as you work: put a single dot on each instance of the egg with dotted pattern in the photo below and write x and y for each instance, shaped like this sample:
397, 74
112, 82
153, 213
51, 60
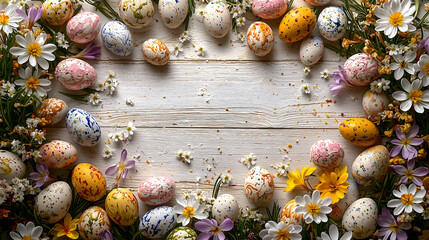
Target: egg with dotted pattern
82, 127
89, 182
173, 12
332, 23
260, 38
57, 12
259, 186
361, 218
360, 132
122, 207
297, 24
311, 50
11, 166
54, 201
158, 222
217, 19
225, 206
371, 164
117, 38
93, 222
136, 13
269, 9
155, 52
327, 154
53, 110
374, 103
58, 154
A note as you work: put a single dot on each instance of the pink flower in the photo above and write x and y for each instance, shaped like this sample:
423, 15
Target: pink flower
209, 228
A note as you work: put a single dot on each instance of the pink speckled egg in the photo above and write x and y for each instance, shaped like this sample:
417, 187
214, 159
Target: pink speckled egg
75, 74
53, 110
341, 206
374, 103
318, 2
155, 52
260, 38
269, 9
327, 154
156, 191
259, 186
58, 154
83, 27
361, 69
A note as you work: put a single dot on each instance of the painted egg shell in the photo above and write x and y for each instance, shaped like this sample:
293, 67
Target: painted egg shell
260, 38
53, 110
359, 131
269, 9
158, 222
58, 154
225, 206
93, 222
259, 186
371, 164
155, 52
54, 201
82, 127
88, 182
75, 74
311, 50
156, 191
83, 27
11, 166
318, 2
217, 19
136, 13
182, 233
173, 12
374, 103
297, 24
361, 69
327, 154
341, 206
122, 207
361, 218
332, 23
117, 38
288, 214
57, 12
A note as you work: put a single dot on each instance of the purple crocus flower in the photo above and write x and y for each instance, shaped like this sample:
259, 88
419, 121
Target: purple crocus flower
34, 14
91, 51
106, 235
209, 228
410, 173
340, 81
424, 43
41, 176
406, 143
390, 227
120, 168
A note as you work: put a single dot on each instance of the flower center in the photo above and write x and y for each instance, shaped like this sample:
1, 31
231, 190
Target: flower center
4, 19
407, 199
405, 141
215, 230
188, 211
403, 64
121, 167
416, 96
396, 19
426, 68
409, 174
34, 49
393, 227
313, 209
283, 234
26, 238
32, 83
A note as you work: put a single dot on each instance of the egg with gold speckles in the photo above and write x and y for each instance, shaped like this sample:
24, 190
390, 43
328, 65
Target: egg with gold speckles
297, 24
288, 214
259, 186
122, 207
217, 19
341, 206
136, 13
311, 50
57, 12
371, 164
88, 182
374, 103
318, 2
11, 166
332, 23
155, 52
260, 38
58, 154
360, 131
269, 9
225, 206
54, 201
173, 12
361, 218
53, 110
182, 233
361, 69
93, 222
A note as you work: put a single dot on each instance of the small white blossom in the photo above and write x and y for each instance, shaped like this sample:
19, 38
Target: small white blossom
184, 156
305, 88
38, 136
94, 99
100, 87
129, 102
325, 74
226, 178
130, 128
307, 70
61, 41
107, 151
200, 51
380, 85
32, 122
241, 21
282, 169
248, 160
178, 49
394, 50
185, 36
241, 36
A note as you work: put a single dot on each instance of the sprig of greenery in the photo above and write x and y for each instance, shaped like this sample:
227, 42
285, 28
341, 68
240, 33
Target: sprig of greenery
104, 7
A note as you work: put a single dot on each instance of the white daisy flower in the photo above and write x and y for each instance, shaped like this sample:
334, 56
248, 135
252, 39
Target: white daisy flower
307, 70
130, 128
38, 136
32, 83
314, 208
9, 19
200, 51
325, 74
422, 67
248, 160
94, 99
403, 63
305, 88
27, 232
394, 16
282, 169
188, 209
184, 156
61, 41
241, 36
107, 151
240, 21
393, 49
334, 234
226, 178
413, 95
276, 231
185, 36
409, 199
100, 87
178, 49
380, 85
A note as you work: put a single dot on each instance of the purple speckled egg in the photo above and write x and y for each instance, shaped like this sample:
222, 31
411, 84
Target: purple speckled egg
269, 9
75, 74
361, 69
327, 154
156, 191
83, 27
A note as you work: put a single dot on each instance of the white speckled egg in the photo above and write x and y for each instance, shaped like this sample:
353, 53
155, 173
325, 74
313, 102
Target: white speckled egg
361, 218
260, 38
155, 52
259, 186
217, 19
83, 27
173, 12
288, 214
318, 2
93, 222
53, 202
341, 206
327, 154
117, 38
136, 13
269, 9
225, 206
156, 191
53, 110
82, 127
374, 103
11, 166
57, 12
75, 74
158, 222
371, 164
361, 69
311, 50
332, 23
58, 154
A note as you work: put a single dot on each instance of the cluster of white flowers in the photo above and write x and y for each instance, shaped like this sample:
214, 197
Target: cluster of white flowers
123, 134
237, 9
15, 191
61, 40
7, 89
184, 38
282, 169
109, 85
248, 160
380, 85
252, 214
184, 156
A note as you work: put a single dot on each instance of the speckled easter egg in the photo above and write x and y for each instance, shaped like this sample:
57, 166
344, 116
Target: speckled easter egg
260, 38
327, 154
361, 69
158, 222
361, 218
225, 206
122, 207
53, 110
75, 74
359, 131
259, 186
11, 166
341, 206
297, 24
374, 103
269, 9
318, 2
82, 127
93, 222
311, 50
155, 52
371, 164
182, 233
117, 38
332, 23
136, 13
89, 182
57, 12
83, 27
173, 12
156, 191
288, 214
54, 201
217, 19
58, 154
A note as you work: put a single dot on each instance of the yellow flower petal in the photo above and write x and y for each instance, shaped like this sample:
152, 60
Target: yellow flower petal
73, 235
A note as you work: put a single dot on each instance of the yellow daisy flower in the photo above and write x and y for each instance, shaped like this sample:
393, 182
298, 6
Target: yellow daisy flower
297, 179
333, 184
67, 228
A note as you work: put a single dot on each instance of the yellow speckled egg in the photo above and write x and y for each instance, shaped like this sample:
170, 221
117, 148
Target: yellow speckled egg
57, 12
297, 24
288, 214
359, 131
93, 222
122, 206
88, 182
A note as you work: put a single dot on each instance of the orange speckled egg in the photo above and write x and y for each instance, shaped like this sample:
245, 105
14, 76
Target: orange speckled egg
88, 182
359, 131
297, 24
93, 222
122, 206
52, 109
288, 214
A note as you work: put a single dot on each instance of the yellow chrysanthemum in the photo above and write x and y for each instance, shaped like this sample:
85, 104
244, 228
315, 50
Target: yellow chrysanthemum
297, 179
67, 228
333, 184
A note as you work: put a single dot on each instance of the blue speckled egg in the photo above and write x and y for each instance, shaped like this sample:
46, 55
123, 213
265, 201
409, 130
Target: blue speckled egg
117, 38
158, 222
311, 50
82, 127
173, 12
332, 23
